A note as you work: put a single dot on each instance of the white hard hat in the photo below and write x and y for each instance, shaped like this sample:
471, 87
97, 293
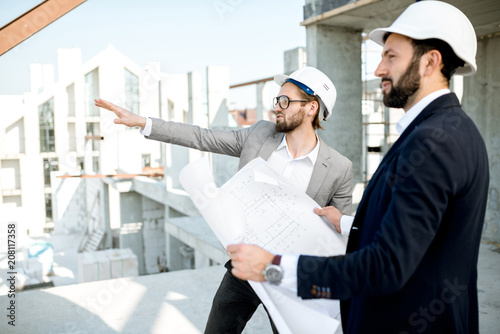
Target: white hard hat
313, 82
439, 20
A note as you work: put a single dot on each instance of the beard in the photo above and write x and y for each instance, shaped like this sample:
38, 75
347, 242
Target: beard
289, 125
407, 85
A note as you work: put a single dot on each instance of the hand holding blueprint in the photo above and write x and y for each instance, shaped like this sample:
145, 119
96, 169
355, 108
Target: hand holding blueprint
258, 206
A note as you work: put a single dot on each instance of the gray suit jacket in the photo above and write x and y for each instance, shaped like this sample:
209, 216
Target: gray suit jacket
331, 181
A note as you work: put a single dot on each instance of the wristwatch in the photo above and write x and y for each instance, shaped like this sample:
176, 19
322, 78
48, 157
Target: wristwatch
273, 272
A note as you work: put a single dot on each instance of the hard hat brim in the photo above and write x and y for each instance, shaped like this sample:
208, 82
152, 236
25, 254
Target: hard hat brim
377, 35
280, 79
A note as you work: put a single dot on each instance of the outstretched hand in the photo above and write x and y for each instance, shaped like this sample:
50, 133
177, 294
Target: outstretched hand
125, 117
332, 214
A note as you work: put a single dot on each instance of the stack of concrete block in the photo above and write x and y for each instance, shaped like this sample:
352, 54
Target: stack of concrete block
107, 264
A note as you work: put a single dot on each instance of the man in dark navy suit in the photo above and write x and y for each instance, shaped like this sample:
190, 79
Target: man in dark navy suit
411, 263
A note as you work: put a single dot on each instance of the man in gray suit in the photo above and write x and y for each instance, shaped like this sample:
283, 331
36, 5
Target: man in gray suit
291, 147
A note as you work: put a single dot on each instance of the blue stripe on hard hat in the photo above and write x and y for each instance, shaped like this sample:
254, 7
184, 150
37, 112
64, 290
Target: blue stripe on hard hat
301, 85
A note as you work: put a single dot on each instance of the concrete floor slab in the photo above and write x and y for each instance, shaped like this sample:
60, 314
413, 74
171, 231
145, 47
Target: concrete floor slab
174, 302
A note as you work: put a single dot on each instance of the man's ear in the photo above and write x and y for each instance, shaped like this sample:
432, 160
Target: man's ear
313, 109
433, 62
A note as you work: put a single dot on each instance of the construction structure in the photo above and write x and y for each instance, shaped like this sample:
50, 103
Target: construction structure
65, 166
335, 32
60, 133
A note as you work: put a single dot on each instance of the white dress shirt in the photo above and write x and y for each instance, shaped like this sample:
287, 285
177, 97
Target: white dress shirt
289, 262
297, 171
148, 127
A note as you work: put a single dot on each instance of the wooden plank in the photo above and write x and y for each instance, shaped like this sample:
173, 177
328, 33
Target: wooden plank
251, 82
33, 21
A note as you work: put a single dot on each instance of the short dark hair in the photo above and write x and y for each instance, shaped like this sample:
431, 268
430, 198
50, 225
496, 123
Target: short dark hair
450, 60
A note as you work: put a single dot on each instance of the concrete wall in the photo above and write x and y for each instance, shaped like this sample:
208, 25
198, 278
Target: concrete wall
481, 100
79, 204
224, 167
217, 95
179, 255
69, 203
153, 232
337, 52
131, 235
137, 220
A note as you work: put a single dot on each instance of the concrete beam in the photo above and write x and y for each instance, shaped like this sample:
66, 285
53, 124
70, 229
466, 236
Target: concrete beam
337, 11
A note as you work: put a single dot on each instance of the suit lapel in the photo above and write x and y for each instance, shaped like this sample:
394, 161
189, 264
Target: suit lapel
320, 171
270, 145
439, 103
321, 167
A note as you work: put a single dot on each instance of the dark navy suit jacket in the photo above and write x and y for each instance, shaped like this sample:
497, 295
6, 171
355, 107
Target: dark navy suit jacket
411, 263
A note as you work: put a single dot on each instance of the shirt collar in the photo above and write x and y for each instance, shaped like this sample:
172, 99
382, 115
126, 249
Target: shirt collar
414, 111
313, 155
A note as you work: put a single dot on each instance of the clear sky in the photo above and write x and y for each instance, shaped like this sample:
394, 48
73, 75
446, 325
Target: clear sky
248, 36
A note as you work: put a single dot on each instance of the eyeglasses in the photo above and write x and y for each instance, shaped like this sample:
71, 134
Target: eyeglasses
284, 101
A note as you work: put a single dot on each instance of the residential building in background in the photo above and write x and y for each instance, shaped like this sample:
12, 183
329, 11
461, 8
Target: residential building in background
66, 167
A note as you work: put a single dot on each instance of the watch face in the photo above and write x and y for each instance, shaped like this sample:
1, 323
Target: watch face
274, 274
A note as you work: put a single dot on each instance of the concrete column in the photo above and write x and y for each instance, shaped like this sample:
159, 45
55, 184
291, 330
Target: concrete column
224, 167
41, 76
481, 97
154, 235
262, 99
217, 95
33, 211
36, 77
131, 235
294, 59
218, 112
198, 114
69, 62
337, 52
173, 246
200, 260
105, 214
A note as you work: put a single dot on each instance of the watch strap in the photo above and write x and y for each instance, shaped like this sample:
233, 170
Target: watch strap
276, 260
